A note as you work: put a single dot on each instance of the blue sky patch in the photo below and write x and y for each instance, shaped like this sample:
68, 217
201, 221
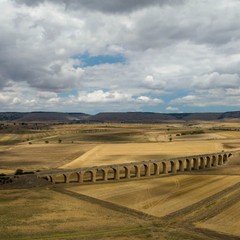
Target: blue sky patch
90, 61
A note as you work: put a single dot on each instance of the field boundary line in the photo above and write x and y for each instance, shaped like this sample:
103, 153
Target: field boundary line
105, 204
76, 235
199, 204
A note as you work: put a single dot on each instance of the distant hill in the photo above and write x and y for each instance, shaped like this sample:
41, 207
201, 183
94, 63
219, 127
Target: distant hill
119, 117
131, 117
148, 117
42, 117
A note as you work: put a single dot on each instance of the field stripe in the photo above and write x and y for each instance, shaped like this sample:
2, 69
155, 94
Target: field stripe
105, 204
78, 235
201, 203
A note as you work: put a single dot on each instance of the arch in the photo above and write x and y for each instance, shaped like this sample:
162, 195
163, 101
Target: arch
88, 176
181, 165
112, 174
60, 178
134, 171
173, 167
225, 158
195, 164
202, 163
214, 161
144, 168
48, 178
163, 168
220, 160
208, 159
74, 177
154, 169
101, 175
188, 165
124, 172
229, 155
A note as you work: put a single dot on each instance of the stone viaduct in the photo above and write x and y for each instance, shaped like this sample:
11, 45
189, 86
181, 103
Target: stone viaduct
136, 170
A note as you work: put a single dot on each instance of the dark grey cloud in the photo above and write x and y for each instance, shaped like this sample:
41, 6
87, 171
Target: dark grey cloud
109, 6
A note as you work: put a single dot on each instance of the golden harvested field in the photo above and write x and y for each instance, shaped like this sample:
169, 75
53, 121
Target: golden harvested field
134, 152
160, 196
228, 221
43, 213
79, 145
182, 206
40, 156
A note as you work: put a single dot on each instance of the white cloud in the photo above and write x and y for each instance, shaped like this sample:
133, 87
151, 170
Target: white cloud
152, 83
216, 80
172, 109
101, 96
186, 47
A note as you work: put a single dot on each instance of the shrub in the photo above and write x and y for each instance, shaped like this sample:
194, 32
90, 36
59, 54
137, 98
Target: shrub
19, 172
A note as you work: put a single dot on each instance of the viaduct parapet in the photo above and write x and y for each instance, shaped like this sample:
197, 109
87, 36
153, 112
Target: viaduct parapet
136, 170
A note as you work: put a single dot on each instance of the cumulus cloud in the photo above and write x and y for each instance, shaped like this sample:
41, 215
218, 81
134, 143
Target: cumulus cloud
152, 83
179, 52
211, 98
188, 100
216, 80
172, 109
99, 96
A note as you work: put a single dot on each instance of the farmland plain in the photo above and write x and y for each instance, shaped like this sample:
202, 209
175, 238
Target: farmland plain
201, 204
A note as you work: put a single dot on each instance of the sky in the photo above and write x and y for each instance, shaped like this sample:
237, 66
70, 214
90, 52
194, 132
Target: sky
114, 55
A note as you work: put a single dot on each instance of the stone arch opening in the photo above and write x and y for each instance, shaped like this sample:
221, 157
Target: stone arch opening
225, 158
214, 161
48, 178
123, 172
100, 175
74, 177
163, 169
181, 165
229, 155
173, 167
195, 164
202, 163
143, 170
88, 176
220, 160
154, 169
60, 178
189, 165
208, 162
112, 174
134, 171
